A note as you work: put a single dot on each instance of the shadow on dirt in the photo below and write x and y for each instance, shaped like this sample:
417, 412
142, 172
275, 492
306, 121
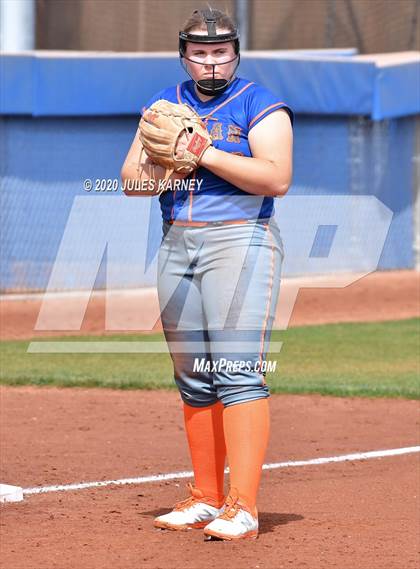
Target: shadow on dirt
268, 521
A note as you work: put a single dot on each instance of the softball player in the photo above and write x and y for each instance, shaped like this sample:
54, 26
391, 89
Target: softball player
219, 275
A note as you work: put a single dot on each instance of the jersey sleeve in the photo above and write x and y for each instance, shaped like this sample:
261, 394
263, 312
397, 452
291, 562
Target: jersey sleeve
261, 103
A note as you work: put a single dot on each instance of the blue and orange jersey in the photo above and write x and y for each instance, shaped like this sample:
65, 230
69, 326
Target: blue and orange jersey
229, 118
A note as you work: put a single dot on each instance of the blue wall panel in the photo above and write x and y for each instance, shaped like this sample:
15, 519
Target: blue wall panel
321, 151
43, 165
356, 156
43, 84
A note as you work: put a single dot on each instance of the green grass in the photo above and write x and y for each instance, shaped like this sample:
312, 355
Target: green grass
363, 359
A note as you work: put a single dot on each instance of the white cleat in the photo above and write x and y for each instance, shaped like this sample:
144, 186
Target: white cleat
190, 513
236, 522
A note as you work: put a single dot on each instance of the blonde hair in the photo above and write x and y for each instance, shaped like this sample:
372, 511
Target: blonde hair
197, 21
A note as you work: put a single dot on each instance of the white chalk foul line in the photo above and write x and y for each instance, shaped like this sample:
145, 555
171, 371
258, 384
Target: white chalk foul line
189, 474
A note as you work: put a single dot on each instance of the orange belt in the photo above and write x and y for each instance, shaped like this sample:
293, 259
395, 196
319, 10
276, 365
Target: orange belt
213, 223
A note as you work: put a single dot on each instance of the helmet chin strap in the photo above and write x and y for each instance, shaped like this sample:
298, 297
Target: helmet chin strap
212, 86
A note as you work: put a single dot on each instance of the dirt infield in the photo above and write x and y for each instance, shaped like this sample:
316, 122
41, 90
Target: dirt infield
359, 514
351, 515
386, 295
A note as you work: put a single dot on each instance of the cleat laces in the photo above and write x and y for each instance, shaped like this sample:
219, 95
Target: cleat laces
195, 497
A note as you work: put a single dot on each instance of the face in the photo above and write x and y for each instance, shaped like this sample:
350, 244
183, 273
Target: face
205, 56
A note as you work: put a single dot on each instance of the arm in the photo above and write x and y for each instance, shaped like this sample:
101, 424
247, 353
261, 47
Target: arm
134, 174
269, 171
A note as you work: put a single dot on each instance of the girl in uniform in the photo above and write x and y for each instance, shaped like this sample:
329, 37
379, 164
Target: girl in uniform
219, 274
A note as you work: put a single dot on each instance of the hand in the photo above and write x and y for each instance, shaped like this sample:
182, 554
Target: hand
181, 145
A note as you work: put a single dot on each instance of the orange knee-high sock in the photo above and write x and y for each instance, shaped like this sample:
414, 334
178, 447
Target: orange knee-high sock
204, 427
247, 430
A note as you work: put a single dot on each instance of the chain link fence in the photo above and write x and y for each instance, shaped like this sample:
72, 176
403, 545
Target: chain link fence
372, 26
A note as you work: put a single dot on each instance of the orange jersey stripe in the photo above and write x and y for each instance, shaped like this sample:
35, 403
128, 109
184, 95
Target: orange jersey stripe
178, 93
229, 100
180, 101
190, 206
262, 112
